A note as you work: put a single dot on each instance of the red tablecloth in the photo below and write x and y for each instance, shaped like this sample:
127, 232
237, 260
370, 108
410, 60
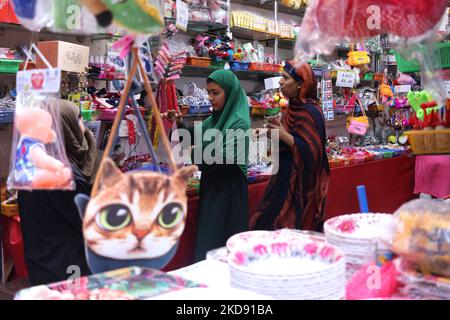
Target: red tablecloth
389, 184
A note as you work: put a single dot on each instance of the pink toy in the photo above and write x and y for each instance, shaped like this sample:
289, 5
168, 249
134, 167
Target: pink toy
34, 168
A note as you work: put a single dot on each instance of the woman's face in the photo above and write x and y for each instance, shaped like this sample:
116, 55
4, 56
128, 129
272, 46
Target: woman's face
216, 95
289, 87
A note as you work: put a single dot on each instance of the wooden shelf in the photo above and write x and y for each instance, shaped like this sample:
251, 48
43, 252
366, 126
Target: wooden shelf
200, 72
195, 28
46, 31
269, 5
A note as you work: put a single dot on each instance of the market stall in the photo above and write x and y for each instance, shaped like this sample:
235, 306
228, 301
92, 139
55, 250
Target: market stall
100, 97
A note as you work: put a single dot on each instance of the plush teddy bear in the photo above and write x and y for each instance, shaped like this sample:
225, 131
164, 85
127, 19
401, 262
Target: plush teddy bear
34, 168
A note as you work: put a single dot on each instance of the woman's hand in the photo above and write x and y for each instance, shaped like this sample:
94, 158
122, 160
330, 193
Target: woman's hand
173, 116
285, 136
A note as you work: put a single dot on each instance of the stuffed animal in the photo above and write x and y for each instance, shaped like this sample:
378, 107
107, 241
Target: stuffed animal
100, 11
34, 168
136, 16
200, 47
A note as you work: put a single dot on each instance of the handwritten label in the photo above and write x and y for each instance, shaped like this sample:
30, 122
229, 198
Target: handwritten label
182, 15
346, 79
38, 80
272, 83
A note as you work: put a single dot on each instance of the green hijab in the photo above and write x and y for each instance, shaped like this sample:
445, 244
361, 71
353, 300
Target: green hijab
234, 115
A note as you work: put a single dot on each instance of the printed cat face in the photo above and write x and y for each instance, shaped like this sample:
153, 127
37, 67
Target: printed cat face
140, 215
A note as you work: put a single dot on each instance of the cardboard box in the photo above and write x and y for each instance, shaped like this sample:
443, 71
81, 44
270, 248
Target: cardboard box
64, 55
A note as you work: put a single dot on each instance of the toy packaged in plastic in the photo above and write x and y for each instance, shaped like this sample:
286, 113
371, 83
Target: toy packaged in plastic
422, 235
219, 11
38, 157
328, 21
33, 14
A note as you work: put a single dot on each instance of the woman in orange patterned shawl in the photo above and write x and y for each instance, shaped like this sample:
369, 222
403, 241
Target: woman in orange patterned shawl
295, 196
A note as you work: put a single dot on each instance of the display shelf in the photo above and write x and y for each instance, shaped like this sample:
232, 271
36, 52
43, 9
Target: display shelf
200, 115
201, 27
103, 79
248, 34
46, 31
200, 72
269, 5
283, 43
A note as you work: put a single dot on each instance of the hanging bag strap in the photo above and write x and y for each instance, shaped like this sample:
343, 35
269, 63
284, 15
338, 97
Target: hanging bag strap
136, 64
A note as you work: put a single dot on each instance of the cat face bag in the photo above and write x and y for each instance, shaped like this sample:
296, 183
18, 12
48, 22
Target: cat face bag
135, 218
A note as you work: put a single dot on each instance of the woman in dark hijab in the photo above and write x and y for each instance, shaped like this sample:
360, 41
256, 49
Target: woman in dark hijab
51, 225
295, 197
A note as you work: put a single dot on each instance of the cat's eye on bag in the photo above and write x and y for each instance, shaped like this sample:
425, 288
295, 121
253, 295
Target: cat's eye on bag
134, 218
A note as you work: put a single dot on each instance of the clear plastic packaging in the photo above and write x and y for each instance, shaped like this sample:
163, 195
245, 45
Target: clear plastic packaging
33, 14
90, 17
422, 235
328, 21
38, 157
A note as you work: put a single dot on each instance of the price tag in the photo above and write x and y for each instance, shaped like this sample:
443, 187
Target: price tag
447, 87
38, 80
330, 115
272, 83
402, 88
346, 79
182, 15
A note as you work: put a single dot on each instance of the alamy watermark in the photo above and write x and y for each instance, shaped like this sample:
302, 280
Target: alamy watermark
233, 147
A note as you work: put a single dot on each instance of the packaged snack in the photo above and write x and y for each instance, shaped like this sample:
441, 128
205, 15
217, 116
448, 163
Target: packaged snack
423, 235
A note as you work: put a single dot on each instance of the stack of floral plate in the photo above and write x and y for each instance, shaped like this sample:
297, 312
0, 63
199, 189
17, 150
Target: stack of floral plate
287, 265
362, 237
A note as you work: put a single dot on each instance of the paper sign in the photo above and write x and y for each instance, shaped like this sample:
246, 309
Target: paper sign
447, 86
402, 88
330, 115
346, 79
38, 80
272, 83
182, 15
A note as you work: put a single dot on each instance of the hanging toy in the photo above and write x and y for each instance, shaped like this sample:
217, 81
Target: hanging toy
416, 99
136, 16
33, 14
34, 168
100, 11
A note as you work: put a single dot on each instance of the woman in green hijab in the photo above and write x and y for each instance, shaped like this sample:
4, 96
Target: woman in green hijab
222, 142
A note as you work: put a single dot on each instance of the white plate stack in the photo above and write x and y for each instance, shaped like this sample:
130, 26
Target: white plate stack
287, 265
361, 237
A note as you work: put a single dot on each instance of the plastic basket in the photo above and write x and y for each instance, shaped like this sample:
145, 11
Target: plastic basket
217, 64
440, 50
256, 66
272, 111
6, 115
199, 109
430, 142
199, 62
239, 66
9, 65
277, 68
